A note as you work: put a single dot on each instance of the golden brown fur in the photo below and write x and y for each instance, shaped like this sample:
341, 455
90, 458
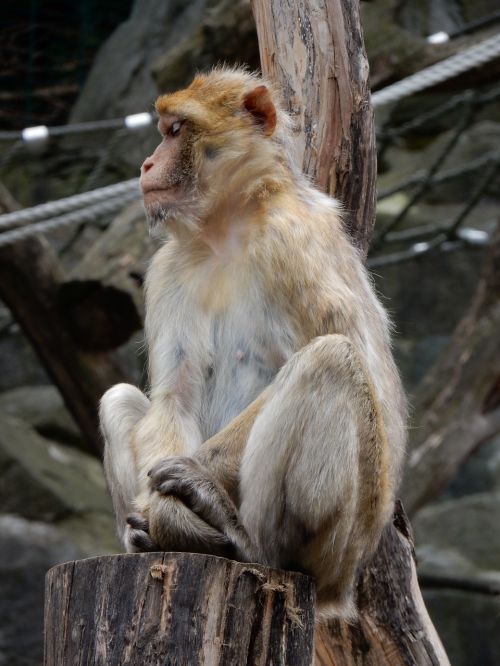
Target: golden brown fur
274, 428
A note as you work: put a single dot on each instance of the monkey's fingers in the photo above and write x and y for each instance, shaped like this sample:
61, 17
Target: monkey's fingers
175, 467
186, 479
137, 534
138, 522
198, 494
140, 541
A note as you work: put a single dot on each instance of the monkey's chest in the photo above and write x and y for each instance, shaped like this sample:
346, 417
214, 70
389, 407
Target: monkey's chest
245, 357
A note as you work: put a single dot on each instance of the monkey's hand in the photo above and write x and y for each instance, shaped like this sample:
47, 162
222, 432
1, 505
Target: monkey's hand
186, 479
137, 534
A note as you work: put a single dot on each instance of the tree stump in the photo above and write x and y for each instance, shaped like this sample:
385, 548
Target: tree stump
176, 609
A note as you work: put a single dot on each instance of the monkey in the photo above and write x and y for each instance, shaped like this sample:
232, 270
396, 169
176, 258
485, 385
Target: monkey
274, 426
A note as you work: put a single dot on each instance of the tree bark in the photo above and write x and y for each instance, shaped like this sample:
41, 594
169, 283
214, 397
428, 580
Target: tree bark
457, 405
394, 628
177, 608
324, 75
29, 280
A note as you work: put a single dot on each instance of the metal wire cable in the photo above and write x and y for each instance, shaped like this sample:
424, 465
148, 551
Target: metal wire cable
52, 208
452, 104
440, 178
437, 73
477, 55
467, 115
88, 206
88, 214
77, 128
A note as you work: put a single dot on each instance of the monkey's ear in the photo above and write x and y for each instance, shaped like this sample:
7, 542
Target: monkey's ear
259, 104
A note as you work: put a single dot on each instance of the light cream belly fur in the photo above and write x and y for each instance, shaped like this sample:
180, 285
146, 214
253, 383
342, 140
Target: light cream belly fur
245, 357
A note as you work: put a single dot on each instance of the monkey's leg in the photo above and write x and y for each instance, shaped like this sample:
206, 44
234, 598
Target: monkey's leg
122, 407
313, 478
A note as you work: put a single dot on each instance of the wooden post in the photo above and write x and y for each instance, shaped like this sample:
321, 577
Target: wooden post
176, 608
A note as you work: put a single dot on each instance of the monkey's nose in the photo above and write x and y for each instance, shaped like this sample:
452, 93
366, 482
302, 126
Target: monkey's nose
147, 165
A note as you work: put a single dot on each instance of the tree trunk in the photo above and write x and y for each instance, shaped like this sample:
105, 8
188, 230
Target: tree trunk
29, 281
323, 72
324, 75
177, 608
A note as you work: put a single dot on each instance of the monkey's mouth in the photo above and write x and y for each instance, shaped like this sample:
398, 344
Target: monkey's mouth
167, 194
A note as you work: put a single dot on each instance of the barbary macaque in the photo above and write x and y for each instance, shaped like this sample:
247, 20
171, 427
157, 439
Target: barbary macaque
274, 428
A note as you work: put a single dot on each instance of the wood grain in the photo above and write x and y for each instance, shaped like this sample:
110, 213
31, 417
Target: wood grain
314, 50
176, 609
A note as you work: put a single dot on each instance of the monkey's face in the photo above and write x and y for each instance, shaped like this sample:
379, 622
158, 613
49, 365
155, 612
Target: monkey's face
167, 175
214, 137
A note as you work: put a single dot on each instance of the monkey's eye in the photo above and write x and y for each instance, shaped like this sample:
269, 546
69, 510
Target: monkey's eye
175, 128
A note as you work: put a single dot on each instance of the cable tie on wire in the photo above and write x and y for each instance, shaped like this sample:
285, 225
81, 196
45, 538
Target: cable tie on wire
136, 120
35, 134
418, 248
473, 236
440, 37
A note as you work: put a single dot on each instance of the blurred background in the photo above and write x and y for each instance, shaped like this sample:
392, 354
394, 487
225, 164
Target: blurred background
71, 304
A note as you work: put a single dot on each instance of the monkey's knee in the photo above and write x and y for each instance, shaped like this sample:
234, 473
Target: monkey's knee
121, 407
330, 352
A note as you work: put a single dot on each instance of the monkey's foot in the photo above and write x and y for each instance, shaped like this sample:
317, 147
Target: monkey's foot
188, 480
137, 534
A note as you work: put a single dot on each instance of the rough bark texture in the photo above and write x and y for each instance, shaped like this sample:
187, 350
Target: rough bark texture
29, 279
176, 608
457, 405
324, 73
314, 50
394, 628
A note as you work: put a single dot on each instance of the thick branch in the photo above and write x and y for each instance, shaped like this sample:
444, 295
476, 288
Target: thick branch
29, 280
394, 627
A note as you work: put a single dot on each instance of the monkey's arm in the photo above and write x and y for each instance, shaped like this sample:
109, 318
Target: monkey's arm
163, 431
222, 453
208, 484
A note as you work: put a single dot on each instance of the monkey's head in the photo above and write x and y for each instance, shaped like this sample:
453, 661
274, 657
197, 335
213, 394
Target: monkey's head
222, 146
